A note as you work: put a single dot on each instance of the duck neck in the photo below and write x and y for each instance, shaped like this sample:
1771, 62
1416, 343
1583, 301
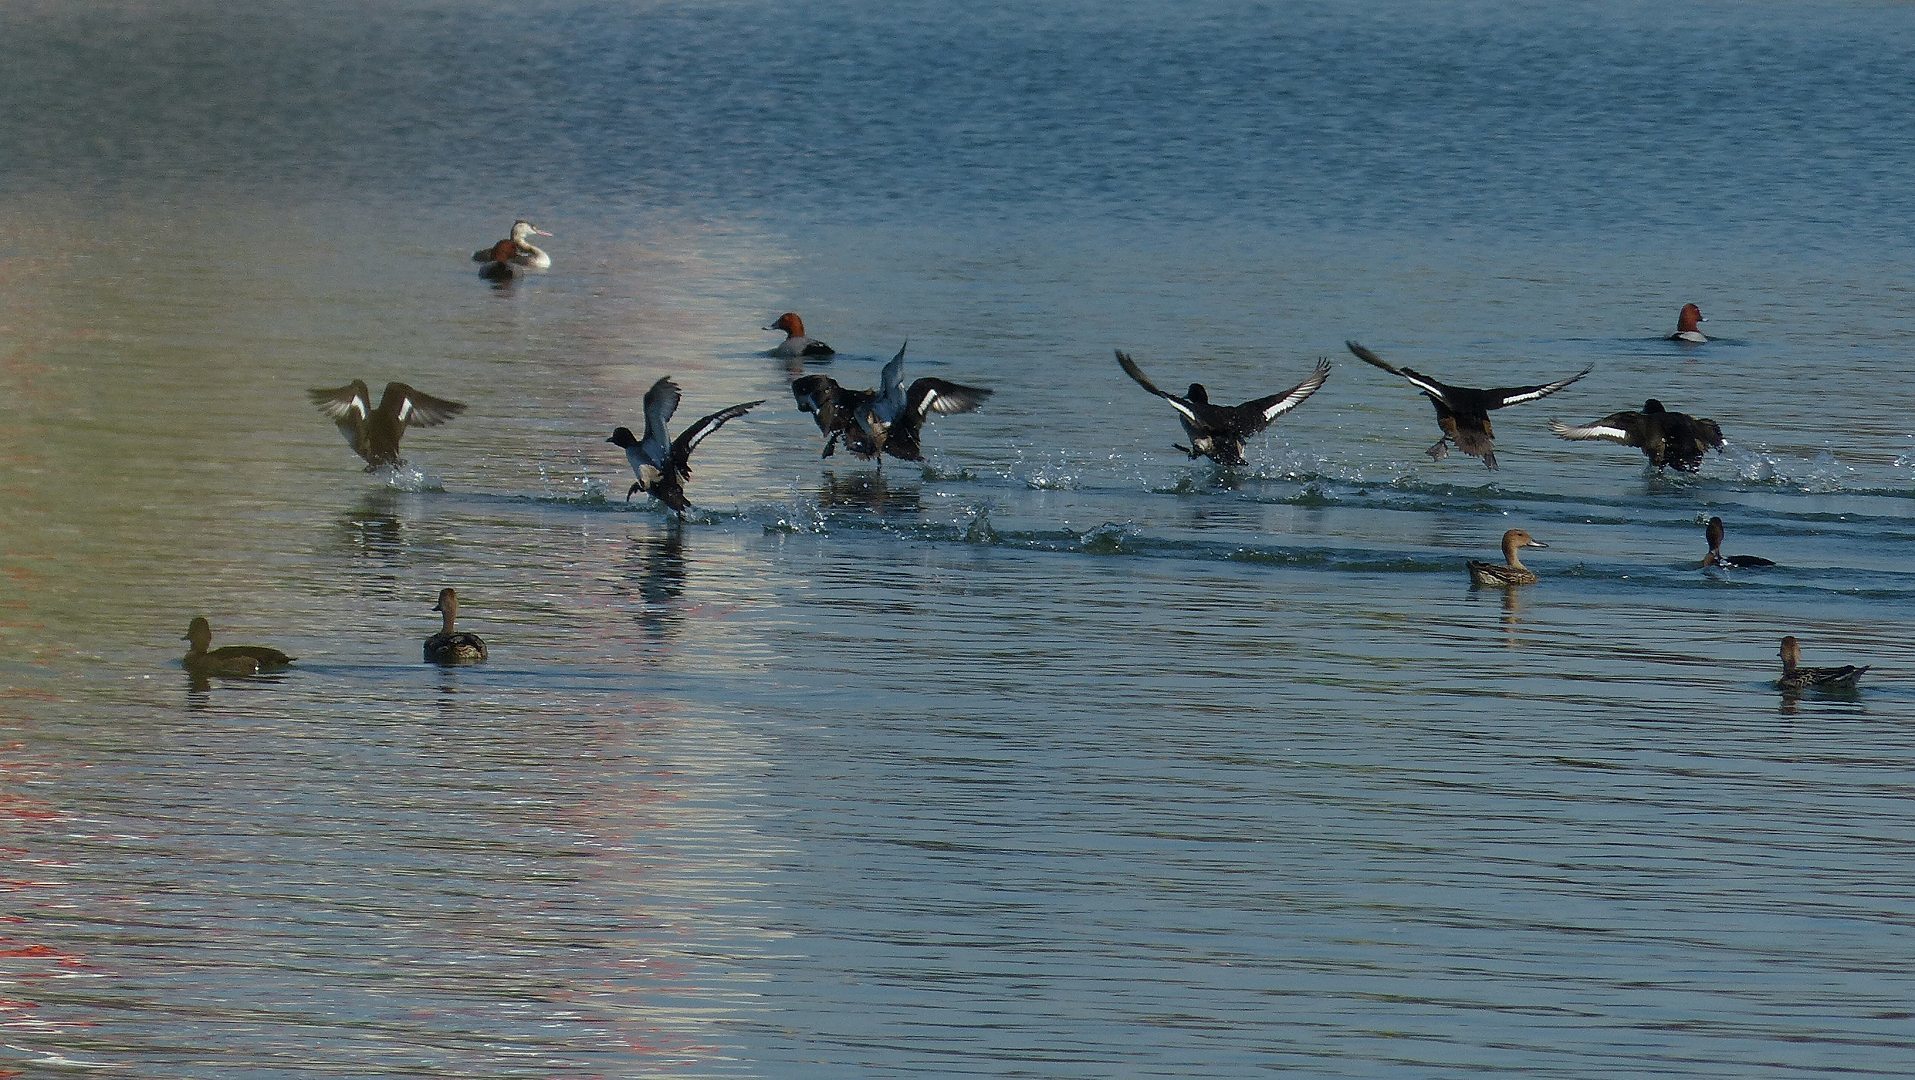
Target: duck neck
445, 619
1511, 559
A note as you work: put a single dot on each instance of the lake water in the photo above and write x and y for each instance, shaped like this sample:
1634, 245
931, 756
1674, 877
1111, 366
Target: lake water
1058, 756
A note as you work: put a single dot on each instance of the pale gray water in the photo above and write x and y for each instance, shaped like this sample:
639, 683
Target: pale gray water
1058, 757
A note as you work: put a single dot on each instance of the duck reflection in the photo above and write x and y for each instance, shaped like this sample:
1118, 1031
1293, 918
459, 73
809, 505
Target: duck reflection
657, 564
372, 528
868, 490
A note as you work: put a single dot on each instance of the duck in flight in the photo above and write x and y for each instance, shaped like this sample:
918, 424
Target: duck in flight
1713, 532
1218, 431
661, 463
892, 420
374, 433
1511, 570
1461, 411
1672, 439
1796, 678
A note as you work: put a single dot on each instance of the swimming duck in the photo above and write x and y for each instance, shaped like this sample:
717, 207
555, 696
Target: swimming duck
1666, 438
894, 418
1462, 412
663, 467
836, 410
1796, 678
1716, 558
1218, 431
514, 251
450, 646
373, 433
227, 659
1511, 570
796, 343
1686, 325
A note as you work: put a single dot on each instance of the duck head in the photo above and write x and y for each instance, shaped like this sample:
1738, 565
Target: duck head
1690, 319
199, 632
1517, 538
522, 229
1652, 407
623, 438
790, 323
1790, 652
448, 601
1198, 394
1714, 532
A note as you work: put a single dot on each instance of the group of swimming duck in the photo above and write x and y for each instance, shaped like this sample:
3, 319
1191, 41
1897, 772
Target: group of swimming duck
889, 420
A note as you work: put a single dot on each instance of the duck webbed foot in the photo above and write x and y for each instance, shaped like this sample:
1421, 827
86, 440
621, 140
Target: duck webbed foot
1441, 450
633, 490
1185, 449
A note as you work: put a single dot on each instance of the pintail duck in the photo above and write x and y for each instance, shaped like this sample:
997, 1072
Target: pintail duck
1666, 438
373, 433
1463, 412
1796, 678
1218, 431
501, 259
227, 659
450, 646
836, 411
893, 420
1716, 558
663, 467
796, 343
1511, 570
1687, 325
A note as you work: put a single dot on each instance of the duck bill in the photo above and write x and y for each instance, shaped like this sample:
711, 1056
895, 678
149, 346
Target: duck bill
1536, 543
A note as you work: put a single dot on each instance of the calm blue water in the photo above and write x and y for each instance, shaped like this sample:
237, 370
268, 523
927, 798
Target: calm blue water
1055, 757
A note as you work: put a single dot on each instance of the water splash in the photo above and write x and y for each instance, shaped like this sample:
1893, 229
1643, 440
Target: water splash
403, 477
1109, 538
977, 529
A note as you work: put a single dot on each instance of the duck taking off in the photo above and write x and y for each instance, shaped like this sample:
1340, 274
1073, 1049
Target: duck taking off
662, 464
1218, 431
1463, 412
1511, 570
450, 646
893, 419
835, 409
373, 433
1672, 439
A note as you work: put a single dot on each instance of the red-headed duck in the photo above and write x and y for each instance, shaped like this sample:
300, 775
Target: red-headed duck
1687, 325
1511, 570
373, 433
796, 343
663, 464
1666, 438
1462, 412
1218, 431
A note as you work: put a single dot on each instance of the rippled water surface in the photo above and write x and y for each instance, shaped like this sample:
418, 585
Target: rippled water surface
1057, 756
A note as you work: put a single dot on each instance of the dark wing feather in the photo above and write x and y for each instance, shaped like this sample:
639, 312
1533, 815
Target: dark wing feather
1182, 405
342, 404
929, 395
1623, 427
1265, 409
1505, 396
1422, 382
418, 409
690, 438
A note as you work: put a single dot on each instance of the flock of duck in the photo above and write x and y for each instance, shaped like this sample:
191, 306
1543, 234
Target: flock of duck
889, 421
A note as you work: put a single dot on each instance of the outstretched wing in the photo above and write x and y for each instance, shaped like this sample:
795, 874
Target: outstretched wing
1505, 396
942, 396
1137, 375
1622, 427
1266, 409
347, 404
1422, 382
690, 438
661, 401
417, 409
